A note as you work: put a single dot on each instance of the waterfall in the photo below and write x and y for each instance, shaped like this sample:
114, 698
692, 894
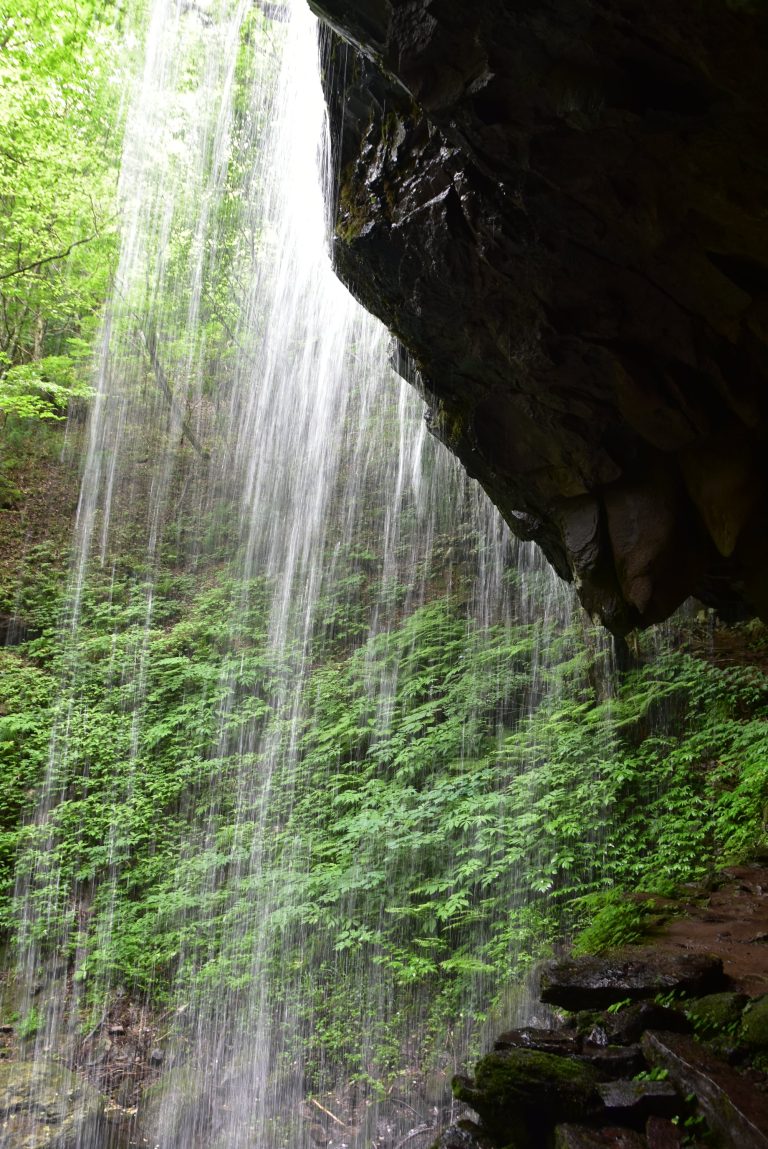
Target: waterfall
250, 438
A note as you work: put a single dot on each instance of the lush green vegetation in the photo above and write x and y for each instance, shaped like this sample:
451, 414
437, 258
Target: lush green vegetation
60, 77
443, 831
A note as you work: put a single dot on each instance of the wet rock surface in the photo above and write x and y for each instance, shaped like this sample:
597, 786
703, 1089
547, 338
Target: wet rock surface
598, 982
731, 922
734, 1109
559, 210
754, 1024
613, 1060
614, 1078
463, 1135
627, 1026
632, 1102
716, 1012
561, 1041
45, 1106
523, 1091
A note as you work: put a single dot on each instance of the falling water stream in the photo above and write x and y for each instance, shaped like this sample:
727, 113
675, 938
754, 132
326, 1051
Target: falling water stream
246, 414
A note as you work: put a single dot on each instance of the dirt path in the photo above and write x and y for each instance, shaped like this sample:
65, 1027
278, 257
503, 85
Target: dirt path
732, 922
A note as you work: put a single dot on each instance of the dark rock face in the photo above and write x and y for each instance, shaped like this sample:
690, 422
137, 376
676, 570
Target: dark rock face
662, 1134
559, 210
582, 1137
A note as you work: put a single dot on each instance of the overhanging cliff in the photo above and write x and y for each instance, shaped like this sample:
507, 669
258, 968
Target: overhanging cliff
560, 208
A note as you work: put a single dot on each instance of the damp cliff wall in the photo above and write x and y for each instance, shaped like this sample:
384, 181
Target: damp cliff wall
560, 210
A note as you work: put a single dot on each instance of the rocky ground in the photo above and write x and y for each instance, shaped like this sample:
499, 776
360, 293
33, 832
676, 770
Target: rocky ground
659, 1045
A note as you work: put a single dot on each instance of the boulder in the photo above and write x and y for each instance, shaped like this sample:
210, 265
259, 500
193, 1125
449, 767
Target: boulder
754, 1024
45, 1106
626, 1026
716, 1012
520, 1094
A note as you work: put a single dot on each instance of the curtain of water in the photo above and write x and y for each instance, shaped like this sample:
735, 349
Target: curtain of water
241, 390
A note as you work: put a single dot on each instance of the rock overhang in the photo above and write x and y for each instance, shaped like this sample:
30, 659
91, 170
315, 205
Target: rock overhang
561, 212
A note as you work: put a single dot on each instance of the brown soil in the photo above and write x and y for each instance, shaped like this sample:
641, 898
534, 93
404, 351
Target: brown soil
741, 644
730, 921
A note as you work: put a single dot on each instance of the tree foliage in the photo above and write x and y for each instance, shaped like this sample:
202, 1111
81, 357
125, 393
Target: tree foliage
59, 153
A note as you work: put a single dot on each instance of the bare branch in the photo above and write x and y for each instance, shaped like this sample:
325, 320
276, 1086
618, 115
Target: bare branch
324, 1110
150, 343
36, 264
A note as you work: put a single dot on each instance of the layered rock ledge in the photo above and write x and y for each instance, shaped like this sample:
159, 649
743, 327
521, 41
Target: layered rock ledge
559, 209
642, 1075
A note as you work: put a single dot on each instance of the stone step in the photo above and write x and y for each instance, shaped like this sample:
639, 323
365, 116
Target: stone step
734, 1110
561, 1041
634, 974
633, 1102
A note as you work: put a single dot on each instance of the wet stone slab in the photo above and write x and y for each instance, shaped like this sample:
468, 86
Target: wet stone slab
598, 982
734, 1109
561, 1041
634, 1102
613, 1060
628, 1025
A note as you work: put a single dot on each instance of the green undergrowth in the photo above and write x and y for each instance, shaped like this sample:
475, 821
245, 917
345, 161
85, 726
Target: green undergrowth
615, 920
451, 800
438, 819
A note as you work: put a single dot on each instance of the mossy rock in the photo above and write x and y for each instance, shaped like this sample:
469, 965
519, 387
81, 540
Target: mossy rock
716, 1013
45, 1106
520, 1094
175, 1103
754, 1025
463, 1135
